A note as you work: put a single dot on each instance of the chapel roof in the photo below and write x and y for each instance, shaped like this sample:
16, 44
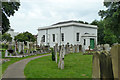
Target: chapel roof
67, 24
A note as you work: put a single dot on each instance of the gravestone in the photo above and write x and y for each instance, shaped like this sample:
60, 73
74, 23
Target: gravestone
56, 49
115, 55
6, 53
28, 47
77, 48
61, 59
23, 47
68, 49
80, 48
15, 47
83, 49
96, 66
101, 47
71, 48
74, 49
107, 47
19, 48
98, 47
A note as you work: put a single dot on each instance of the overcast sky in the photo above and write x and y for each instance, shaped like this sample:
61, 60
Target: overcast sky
39, 13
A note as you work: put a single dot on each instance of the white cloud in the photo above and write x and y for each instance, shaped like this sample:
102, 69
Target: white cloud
38, 13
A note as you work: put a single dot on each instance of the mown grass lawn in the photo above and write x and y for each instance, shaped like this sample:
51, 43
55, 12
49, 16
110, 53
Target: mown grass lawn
76, 66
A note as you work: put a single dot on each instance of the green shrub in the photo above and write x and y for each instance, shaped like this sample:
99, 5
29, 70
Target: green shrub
53, 54
4, 46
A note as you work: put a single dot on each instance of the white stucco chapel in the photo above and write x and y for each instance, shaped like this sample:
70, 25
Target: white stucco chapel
72, 32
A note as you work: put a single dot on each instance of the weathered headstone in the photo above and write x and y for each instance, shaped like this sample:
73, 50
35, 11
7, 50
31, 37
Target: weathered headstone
56, 48
115, 55
71, 48
98, 47
61, 59
101, 47
96, 66
107, 47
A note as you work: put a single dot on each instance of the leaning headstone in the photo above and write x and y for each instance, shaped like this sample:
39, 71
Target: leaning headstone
115, 55
61, 59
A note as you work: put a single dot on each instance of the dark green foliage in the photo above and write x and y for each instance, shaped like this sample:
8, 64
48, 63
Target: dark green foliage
6, 37
81, 21
53, 54
111, 17
86, 23
26, 36
109, 38
101, 35
8, 9
4, 46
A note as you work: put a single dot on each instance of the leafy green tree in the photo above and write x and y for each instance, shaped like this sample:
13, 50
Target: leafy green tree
101, 35
26, 36
8, 9
112, 17
6, 37
109, 38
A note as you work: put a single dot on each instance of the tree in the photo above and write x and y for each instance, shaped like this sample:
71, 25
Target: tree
109, 38
111, 17
101, 35
8, 9
26, 36
6, 37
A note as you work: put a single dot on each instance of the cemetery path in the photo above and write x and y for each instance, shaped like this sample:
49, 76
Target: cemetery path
16, 70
